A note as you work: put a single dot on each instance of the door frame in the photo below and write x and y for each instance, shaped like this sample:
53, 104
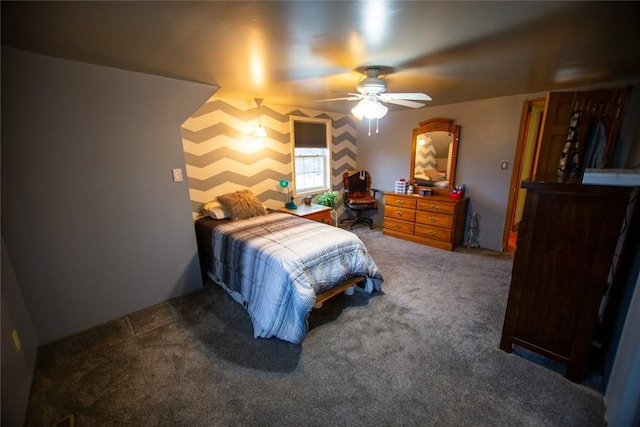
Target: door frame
527, 125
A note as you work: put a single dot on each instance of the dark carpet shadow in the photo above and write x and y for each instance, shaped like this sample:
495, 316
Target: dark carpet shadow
593, 372
483, 252
333, 308
223, 327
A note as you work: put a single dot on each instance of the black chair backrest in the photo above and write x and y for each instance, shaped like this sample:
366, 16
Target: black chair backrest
357, 184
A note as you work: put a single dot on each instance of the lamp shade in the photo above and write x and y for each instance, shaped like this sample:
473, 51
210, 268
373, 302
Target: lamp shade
369, 109
284, 183
260, 132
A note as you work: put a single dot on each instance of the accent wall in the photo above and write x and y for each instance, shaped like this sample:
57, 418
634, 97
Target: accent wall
222, 154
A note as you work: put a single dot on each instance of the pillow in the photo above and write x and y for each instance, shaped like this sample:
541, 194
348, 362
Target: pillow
215, 210
242, 204
433, 175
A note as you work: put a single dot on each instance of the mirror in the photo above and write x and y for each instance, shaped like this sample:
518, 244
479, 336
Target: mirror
434, 155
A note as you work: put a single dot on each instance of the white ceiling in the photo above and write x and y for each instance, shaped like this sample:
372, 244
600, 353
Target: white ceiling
292, 53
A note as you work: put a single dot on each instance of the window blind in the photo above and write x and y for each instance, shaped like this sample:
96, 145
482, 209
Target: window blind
310, 135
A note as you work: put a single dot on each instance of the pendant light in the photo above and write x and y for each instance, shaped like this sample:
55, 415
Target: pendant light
260, 132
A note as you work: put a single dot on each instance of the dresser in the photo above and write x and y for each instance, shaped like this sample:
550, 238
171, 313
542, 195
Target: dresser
436, 221
566, 241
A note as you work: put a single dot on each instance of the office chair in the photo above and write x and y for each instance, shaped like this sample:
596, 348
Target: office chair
357, 196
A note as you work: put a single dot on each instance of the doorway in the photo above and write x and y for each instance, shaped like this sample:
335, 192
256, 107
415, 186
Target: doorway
542, 136
524, 163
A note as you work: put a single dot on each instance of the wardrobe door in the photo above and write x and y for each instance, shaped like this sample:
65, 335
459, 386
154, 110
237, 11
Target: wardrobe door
607, 104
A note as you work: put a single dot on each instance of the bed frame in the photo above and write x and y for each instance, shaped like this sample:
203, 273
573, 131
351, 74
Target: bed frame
321, 298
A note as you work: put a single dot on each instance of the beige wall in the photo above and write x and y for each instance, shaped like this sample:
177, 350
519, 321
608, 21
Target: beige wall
489, 132
93, 224
489, 129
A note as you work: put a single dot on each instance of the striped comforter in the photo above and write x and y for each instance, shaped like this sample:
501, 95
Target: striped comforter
274, 265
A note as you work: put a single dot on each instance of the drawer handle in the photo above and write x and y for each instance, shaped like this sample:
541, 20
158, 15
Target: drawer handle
433, 219
398, 226
431, 233
399, 213
435, 207
400, 202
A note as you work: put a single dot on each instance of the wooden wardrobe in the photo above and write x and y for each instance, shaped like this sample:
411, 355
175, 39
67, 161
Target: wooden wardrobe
567, 238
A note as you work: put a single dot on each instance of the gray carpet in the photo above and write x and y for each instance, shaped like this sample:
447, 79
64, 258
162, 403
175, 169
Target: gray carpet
422, 352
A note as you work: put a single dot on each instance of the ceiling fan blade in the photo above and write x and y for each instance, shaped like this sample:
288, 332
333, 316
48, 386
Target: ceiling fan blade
413, 96
349, 98
403, 102
353, 97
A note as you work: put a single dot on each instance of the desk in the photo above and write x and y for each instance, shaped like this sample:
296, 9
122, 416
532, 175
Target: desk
313, 212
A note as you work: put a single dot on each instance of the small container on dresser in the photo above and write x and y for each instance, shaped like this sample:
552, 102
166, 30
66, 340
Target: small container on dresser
401, 187
431, 220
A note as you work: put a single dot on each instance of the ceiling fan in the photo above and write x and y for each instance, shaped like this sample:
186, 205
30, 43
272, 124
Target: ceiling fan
372, 93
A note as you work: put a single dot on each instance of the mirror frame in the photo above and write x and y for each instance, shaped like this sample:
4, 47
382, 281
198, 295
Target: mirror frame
437, 124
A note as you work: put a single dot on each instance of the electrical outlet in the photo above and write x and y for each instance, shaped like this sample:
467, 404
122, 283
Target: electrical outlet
177, 175
16, 340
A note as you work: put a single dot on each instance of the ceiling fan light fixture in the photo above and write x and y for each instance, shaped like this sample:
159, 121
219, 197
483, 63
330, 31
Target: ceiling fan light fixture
358, 111
369, 109
372, 94
376, 111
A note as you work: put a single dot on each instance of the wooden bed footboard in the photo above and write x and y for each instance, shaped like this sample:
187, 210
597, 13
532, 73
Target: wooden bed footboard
320, 298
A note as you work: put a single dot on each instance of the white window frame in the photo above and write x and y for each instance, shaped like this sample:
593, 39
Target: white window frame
326, 157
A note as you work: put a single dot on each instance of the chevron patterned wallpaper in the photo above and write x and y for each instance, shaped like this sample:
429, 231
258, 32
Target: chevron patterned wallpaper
426, 157
222, 154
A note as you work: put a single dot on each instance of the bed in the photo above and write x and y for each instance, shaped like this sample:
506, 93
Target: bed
430, 178
424, 181
278, 266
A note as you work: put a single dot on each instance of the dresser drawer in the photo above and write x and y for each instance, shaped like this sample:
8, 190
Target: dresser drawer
396, 212
324, 216
436, 206
403, 202
443, 234
434, 219
392, 224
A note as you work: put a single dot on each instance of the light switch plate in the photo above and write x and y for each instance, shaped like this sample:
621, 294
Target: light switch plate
504, 164
177, 175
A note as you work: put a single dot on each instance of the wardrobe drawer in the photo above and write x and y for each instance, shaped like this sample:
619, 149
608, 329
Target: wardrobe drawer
403, 202
396, 212
443, 234
436, 206
434, 219
392, 224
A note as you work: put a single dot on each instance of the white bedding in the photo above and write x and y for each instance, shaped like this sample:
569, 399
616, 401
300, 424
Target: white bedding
426, 181
274, 265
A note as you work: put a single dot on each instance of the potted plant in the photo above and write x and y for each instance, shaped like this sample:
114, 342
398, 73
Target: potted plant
329, 198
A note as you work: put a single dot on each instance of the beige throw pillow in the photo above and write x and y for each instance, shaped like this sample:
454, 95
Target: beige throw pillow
242, 204
433, 175
215, 210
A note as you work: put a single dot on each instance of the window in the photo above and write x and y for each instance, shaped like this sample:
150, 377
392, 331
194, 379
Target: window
310, 139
